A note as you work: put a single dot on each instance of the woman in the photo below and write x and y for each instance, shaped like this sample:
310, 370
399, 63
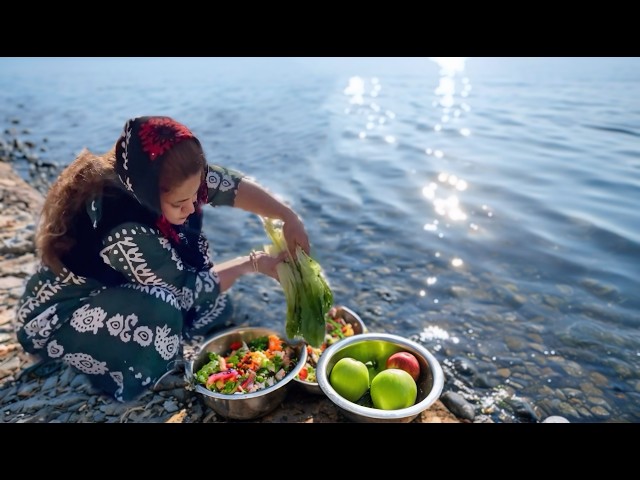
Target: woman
126, 275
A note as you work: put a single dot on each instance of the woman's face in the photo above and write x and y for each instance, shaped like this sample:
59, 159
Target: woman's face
177, 204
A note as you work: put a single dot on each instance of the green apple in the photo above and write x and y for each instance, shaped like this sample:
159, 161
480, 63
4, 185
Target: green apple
392, 389
350, 378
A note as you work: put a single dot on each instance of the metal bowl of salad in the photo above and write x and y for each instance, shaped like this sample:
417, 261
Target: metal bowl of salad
374, 350
244, 372
341, 322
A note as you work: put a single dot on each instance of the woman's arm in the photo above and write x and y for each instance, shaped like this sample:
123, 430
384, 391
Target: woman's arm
255, 198
229, 271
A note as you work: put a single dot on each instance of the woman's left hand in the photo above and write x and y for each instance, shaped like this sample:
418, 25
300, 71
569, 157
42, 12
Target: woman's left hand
266, 264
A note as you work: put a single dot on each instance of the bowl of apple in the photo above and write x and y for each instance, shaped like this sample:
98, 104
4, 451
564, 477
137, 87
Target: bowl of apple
341, 322
380, 377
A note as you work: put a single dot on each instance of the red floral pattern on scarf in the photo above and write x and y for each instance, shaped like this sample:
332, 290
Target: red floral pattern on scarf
159, 134
167, 230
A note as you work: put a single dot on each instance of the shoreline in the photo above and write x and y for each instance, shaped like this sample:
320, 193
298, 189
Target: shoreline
33, 395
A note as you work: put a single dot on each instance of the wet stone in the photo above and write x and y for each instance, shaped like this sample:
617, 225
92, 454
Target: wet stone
599, 401
504, 372
66, 377
49, 384
64, 417
112, 408
99, 417
8, 392
534, 371
623, 371
514, 344
590, 389
457, 404
567, 410
27, 389
515, 384
600, 412
572, 393
584, 413
170, 406
572, 368
599, 379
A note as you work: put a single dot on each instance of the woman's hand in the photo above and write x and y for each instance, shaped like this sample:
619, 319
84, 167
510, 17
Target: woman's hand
254, 198
266, 264
295, 234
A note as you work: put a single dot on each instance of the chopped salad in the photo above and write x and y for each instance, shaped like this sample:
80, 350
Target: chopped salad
336, 328
248, 366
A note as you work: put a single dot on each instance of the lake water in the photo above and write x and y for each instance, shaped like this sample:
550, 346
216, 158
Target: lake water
484, 207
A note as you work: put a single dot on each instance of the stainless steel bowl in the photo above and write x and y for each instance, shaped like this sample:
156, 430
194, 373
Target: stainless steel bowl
380, 346
246, 406
359, 328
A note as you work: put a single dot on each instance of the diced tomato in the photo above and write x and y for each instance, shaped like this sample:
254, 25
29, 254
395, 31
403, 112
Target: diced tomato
303, 373
235, 345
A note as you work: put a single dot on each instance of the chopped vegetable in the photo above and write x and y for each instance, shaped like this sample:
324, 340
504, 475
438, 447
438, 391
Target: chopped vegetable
337, 328
252, 366
306, 290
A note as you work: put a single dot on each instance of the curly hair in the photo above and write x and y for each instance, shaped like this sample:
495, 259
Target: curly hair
84, 177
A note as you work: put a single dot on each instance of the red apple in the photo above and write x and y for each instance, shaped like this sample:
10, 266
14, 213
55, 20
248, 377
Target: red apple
405, 361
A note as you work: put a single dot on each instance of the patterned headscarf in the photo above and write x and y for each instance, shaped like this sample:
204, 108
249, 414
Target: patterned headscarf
143, 141
138, 157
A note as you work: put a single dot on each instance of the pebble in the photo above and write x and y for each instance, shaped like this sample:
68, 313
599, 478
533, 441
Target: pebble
170, 406
458, 405
555, 419
49, 383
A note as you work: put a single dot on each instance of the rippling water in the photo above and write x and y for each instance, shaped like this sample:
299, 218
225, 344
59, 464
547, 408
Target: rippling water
486, 208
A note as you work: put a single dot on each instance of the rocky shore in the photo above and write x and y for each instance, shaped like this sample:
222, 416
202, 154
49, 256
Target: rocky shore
53, 393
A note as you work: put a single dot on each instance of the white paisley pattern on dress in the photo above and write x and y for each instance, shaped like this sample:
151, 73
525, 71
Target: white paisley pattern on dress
187, 298
129, 322
86, 363
42, 324
54, 349
143, 336
87, 319
213, 179
115, 324
166, 346
227, 183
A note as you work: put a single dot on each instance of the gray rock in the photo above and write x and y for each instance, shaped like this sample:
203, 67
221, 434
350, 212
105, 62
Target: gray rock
99, 417
50, 383
523, 410
458, 405
170, 406
62, 418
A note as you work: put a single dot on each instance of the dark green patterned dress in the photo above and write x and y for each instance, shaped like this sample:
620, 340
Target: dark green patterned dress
122, 320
